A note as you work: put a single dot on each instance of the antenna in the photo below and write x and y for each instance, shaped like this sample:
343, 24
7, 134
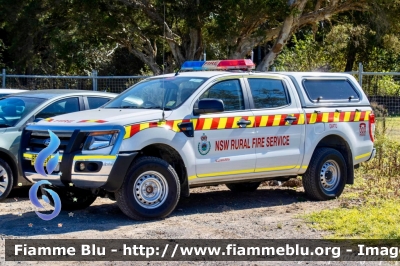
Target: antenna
163, 100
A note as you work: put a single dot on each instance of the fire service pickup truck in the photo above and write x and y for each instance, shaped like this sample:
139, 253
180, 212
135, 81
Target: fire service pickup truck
212, 122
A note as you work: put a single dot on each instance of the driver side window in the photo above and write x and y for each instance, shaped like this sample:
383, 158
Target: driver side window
229, 91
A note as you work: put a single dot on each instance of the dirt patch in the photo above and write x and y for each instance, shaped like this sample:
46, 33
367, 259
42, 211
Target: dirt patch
209, 213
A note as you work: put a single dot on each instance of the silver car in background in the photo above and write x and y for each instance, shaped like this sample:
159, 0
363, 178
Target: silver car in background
16, 110
4, 92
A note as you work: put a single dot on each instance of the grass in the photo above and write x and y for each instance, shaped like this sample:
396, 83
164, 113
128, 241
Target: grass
370, 221
370, 208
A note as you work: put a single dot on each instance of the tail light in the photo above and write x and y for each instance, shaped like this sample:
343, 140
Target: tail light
371, 126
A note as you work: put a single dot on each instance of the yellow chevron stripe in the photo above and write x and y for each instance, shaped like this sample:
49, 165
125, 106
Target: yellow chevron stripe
301, 119
207, 123
252, 119
277, 120
366, 117
175, 126
325, 117
127, 132
313, 118
222, 122
144, 126
264, 120
347, 117
357, 117
235, 120
336, 117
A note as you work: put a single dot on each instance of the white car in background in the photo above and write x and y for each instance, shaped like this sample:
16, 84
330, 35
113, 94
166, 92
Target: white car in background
4, 92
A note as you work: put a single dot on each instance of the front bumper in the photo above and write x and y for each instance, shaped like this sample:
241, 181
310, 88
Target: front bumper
105, 171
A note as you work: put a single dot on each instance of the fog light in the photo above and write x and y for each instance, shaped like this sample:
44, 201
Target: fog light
82, 166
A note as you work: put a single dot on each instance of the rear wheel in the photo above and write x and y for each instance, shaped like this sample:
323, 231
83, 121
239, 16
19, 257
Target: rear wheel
151, 189
6, 180
243, 187
326, 176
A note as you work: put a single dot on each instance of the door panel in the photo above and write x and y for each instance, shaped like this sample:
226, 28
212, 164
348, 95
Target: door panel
222, 141
280, 126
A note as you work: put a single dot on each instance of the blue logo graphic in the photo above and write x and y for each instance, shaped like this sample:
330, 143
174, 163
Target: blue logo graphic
50, 166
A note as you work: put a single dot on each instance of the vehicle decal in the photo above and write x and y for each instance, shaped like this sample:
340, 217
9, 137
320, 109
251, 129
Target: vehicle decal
30, 156
58, 120
248, 171
92, 121
363, 155
256, 121
204, 146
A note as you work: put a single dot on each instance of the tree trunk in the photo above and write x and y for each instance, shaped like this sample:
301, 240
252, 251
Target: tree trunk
351, 56
289, 26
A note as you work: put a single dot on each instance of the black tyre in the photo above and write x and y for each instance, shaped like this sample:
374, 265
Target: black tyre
243, 187
6, 180
72, 200
326, 175
151, 189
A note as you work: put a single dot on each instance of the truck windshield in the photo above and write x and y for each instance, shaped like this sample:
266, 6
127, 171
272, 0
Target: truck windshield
169, 92
15, 108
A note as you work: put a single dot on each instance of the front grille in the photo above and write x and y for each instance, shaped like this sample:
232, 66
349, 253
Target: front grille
38, 139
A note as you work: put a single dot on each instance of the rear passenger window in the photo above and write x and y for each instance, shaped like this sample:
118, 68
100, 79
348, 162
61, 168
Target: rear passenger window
268, 93
330, 90
96, 102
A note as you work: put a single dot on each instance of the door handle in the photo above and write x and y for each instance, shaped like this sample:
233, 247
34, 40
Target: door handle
243, 123
290, 119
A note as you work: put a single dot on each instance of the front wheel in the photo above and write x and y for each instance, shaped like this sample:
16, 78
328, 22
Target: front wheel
151, 189
326, 176
6, 180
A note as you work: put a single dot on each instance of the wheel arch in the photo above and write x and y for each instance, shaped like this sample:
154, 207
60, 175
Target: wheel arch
171, 156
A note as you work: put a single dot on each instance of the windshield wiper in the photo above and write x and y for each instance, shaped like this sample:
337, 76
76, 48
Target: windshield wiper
123, 107
158, 107
5, 125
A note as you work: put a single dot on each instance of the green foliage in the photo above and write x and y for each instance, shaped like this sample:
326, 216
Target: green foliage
370, 208
379, 220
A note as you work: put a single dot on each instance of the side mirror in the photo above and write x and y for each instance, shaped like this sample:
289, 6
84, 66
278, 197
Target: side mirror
209, 106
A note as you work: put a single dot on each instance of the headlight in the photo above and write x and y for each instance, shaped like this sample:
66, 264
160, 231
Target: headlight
100, 140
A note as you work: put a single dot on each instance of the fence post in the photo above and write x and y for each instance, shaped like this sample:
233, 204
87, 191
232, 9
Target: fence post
3, 84
360, 73
94, 75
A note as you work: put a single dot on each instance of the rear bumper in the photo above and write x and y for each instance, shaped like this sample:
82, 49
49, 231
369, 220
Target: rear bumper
373, 153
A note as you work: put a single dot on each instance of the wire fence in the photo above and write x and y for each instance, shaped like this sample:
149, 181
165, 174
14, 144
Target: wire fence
382, 88
116, 84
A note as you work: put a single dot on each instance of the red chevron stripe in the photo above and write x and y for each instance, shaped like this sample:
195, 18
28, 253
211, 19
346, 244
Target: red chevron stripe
214, 123
229, 122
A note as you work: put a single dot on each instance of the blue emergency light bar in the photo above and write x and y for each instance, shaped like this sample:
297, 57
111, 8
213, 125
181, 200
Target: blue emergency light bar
218, 65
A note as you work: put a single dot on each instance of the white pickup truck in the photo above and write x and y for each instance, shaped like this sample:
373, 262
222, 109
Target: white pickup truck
213, 122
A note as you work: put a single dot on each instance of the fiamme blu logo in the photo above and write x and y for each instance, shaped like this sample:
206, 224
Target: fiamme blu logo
51, 165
